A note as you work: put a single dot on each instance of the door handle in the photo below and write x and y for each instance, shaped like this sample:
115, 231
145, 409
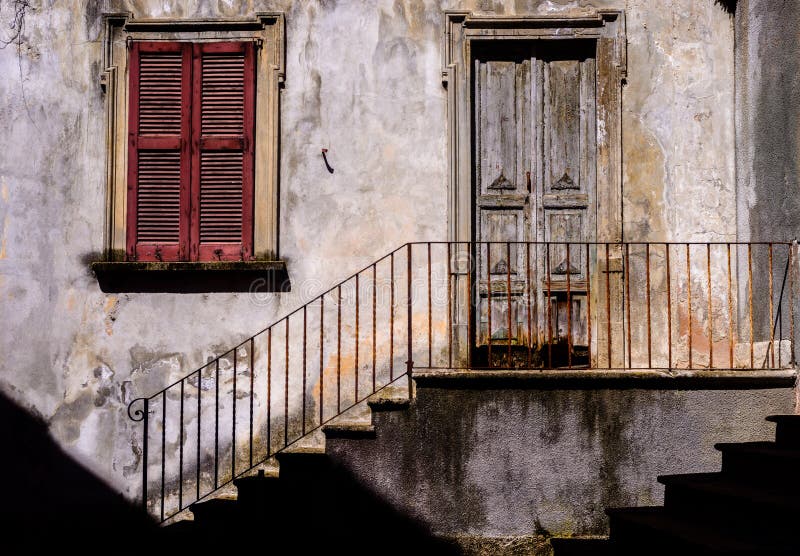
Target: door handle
528, 180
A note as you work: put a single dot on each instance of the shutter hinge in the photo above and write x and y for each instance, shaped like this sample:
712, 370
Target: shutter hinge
259, 43
128, 42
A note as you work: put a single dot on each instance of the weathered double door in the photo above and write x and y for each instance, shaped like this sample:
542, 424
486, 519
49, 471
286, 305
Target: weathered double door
535, 126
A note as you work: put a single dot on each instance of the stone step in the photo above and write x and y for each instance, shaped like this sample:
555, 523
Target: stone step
751, 509
657, 531
349, 430
787, 431
759, 462
581, 547
219, 512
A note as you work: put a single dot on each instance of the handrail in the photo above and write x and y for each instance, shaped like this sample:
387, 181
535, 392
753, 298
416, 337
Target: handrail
498, 304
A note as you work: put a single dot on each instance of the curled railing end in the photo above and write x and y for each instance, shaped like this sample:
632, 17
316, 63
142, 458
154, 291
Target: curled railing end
137, 414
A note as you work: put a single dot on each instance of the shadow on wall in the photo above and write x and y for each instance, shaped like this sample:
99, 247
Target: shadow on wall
51, 501
315, 506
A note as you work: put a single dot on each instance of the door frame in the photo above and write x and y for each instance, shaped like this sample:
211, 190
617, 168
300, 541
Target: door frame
461, 28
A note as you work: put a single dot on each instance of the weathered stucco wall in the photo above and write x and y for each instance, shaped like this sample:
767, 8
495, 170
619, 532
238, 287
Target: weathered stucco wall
500, 461
767, 121
364, 81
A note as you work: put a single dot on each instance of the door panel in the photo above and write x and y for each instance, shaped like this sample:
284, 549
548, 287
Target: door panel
534, 123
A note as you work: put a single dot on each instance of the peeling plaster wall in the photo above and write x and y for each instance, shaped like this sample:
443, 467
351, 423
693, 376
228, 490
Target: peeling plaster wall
362, 79
768, 122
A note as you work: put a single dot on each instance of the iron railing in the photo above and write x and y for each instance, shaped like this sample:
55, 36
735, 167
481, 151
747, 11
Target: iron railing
446, 305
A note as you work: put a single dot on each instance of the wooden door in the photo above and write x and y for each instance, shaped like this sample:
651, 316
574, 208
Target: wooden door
534, 144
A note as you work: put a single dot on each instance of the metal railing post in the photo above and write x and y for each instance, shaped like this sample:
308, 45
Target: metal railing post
410, 358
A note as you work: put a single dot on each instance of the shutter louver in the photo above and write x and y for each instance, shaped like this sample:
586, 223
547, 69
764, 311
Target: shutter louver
221, 197
224, 166
158, 197
158, 201
160, 93
223, 94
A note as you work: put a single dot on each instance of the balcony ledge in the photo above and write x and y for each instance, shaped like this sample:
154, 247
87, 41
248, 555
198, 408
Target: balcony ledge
192, 277
613, 379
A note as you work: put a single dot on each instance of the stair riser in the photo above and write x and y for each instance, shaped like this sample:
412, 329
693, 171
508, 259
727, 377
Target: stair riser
731, 512
788, 435
759, 468
630, 538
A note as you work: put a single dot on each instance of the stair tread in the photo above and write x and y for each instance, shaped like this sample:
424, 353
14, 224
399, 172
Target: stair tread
688, 530
770, 449
271, 475
722, 484
302, 450
213, 504
349, 425
794, 419
388, 403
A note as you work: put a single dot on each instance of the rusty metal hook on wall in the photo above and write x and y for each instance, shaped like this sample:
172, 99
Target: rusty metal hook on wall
325, 158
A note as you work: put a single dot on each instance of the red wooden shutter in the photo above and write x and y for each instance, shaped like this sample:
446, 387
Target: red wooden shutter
158, 154
222, 161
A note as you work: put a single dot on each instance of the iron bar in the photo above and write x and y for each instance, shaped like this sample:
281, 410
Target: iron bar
588, 307
792, 263
180, 453
391, 318
470, 300
489, 301
355, 363
197, 461
374, 320
233, 421
321, 360
689, 301
449, 308
145, 449
528, 298
549, 308
730, 310
430, 307
286, 387
750, 297
649, 323
269, 392
409, 300
669, 309
305, 345
252, 378
339, 349
710, 310
608, 305
163, 448
771, 319
508, 298
216, 426
569, 310
628, 301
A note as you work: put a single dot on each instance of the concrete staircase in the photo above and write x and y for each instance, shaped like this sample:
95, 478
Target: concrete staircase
750, 507
308, 505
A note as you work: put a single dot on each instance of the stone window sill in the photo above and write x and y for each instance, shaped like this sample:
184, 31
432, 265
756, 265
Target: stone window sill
192, 277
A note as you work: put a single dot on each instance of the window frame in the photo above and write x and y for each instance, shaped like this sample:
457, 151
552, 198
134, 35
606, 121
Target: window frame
267, 31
